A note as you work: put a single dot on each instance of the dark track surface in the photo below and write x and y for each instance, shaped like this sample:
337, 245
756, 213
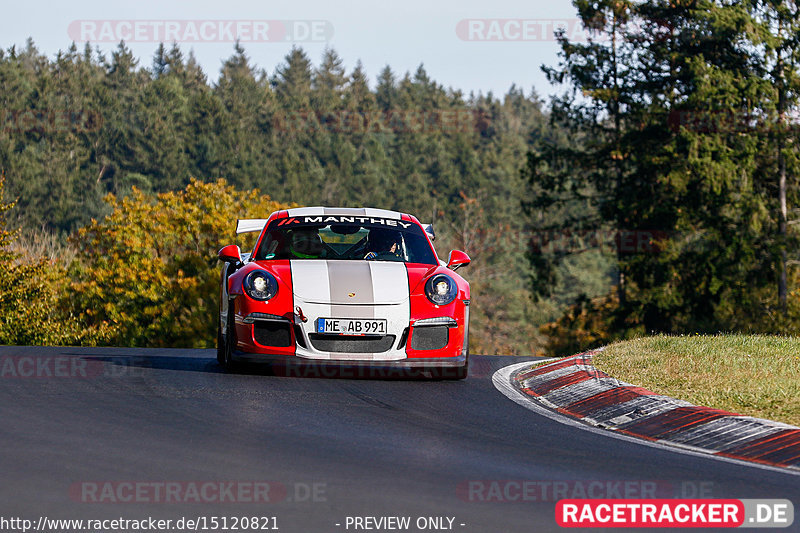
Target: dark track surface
374, 447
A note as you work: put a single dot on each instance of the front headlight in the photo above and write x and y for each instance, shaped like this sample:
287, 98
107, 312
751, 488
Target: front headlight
441, 289
260, 285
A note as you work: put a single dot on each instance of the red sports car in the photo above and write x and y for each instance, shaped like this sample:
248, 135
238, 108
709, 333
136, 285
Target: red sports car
345, 286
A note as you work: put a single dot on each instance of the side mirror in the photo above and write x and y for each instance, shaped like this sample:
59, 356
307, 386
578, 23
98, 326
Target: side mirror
230, 254
457, 259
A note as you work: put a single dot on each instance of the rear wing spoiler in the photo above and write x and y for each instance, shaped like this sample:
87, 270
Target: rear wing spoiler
253, 225
250, 225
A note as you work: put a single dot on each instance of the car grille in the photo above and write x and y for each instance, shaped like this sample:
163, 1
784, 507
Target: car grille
351, 343
272, 333
430, 337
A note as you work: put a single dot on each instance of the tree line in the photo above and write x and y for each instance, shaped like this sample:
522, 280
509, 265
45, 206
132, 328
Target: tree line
654, 193
83, 132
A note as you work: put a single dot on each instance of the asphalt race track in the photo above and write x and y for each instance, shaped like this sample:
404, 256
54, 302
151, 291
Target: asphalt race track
84, 429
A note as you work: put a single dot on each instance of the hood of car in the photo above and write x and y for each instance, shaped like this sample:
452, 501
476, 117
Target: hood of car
350, 282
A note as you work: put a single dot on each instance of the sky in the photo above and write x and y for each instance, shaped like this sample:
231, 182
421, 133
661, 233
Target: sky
473, 46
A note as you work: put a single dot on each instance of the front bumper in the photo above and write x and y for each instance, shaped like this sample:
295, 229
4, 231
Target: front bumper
439, 338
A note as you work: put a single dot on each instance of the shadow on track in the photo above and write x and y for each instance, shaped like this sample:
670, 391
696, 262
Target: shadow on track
328, 370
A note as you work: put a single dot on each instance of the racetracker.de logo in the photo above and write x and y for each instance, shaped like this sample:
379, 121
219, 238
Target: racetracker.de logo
387, 121
61, 366
210, 491
69, 366
679, 513
200, 31
521, 29
625, 242
49, 121
532, 490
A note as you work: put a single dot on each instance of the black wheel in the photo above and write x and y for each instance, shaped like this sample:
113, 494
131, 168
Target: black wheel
220, 345
229, 343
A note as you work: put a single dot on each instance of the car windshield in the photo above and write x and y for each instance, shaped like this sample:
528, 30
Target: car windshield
371, 240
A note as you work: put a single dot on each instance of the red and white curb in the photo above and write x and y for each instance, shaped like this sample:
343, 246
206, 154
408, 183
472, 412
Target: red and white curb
575, 388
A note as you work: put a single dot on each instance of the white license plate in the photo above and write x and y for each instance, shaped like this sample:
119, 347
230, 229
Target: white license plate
352, 326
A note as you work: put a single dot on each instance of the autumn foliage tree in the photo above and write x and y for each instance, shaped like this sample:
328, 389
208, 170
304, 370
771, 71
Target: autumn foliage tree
150, 269
32, 311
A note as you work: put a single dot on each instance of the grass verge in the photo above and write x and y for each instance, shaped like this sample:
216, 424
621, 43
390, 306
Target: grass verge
752, 375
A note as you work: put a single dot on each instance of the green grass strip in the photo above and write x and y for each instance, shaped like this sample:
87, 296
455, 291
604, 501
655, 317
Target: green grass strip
752, 375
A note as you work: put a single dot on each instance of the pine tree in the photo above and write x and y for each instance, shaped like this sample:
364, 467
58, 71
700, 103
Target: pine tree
328, 82
781, 58
688, 189
358, 95
160, 61
386, 91
293, 81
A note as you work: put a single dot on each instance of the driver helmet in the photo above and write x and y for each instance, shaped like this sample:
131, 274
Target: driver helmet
305, 244
381, 240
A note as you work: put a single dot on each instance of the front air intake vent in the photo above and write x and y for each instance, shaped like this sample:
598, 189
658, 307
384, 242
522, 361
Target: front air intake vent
273, 333
429, 337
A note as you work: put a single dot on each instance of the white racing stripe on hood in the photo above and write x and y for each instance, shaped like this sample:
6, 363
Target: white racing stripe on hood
310, 280
333, 282
319, 284
350, 283
389, 282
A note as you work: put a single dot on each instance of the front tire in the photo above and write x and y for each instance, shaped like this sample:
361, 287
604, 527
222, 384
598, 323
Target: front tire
220, 345
228, 343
